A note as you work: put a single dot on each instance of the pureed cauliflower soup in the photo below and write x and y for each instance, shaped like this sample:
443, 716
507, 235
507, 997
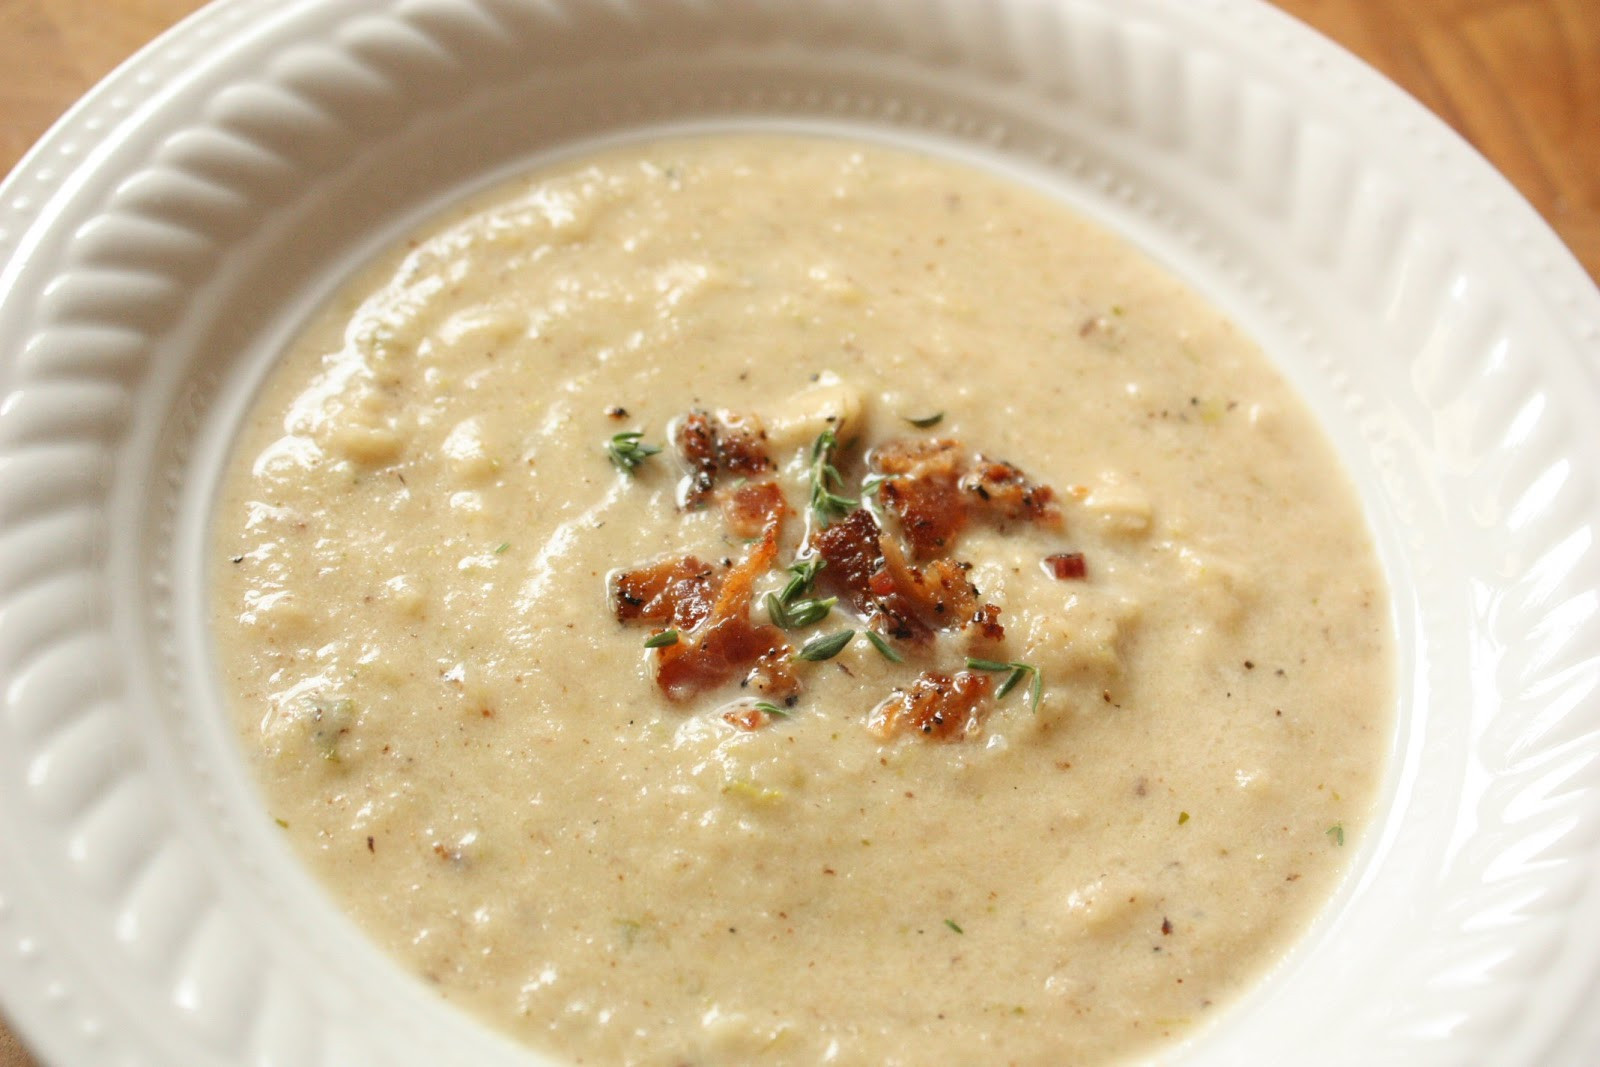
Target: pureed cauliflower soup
783, 600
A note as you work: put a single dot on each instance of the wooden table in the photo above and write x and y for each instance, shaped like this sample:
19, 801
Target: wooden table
1519, 78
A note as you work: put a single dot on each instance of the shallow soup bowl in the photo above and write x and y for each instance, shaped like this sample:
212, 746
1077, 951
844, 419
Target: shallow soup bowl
170, 237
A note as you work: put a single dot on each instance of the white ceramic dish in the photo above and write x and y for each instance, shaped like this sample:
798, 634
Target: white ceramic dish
167, 237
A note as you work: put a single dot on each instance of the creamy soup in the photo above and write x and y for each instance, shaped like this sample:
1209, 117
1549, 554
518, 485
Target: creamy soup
1063, 741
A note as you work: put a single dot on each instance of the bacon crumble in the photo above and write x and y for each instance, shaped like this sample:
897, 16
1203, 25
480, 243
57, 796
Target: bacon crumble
1066, 566
728, 641
747, 718
711, 445
936, 706
774, 678
934, 488
902, 581
750, 507
1005, 490
679, 590
923, 489
868, 569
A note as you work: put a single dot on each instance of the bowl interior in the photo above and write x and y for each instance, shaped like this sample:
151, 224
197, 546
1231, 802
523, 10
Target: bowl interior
1390, 276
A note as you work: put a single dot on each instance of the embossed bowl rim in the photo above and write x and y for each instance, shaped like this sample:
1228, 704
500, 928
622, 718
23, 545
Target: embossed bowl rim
163, 241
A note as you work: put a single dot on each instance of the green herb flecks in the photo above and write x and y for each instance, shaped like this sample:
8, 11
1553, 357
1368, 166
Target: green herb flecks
801, 613
1017, 672
1336, 834
805, 576
884, 648
627, 450
329, 721
662, 639
827, 504
501, 548
1183, 817
772, 709
788, 608
952, 924
926, 421
826, 646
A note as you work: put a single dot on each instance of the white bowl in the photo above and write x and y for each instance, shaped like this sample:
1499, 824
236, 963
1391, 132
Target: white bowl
173, 231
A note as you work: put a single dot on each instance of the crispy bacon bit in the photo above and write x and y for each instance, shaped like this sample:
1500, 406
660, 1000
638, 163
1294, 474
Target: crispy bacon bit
1005, 490
856, 571
936, 706
680, 590
716, 656
773, 676
934, 488
987, 620
746, 718
1066, 565
850, 547
923, 489
869, 570
750, 507
938, 592
903, 580
728, 641
710, 445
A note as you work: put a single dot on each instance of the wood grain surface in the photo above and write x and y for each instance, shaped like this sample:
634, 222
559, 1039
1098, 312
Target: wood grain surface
1520, 79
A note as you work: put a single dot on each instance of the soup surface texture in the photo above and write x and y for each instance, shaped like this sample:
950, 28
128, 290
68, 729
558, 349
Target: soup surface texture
1143, 689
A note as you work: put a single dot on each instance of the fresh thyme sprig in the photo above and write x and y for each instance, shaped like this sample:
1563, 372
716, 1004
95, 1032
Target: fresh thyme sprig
825, 503
805, 573
1018, 671
825, 646
628, 449
787, 610
800, 613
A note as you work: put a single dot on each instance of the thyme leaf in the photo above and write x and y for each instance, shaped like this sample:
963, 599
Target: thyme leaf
1016, 673
884, 648
628, 449
1336, 834
925, 421
804, 613
826, 504
805, 576
801, 613
825, 646
951, 923
778, 612
772, 709
662, 639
